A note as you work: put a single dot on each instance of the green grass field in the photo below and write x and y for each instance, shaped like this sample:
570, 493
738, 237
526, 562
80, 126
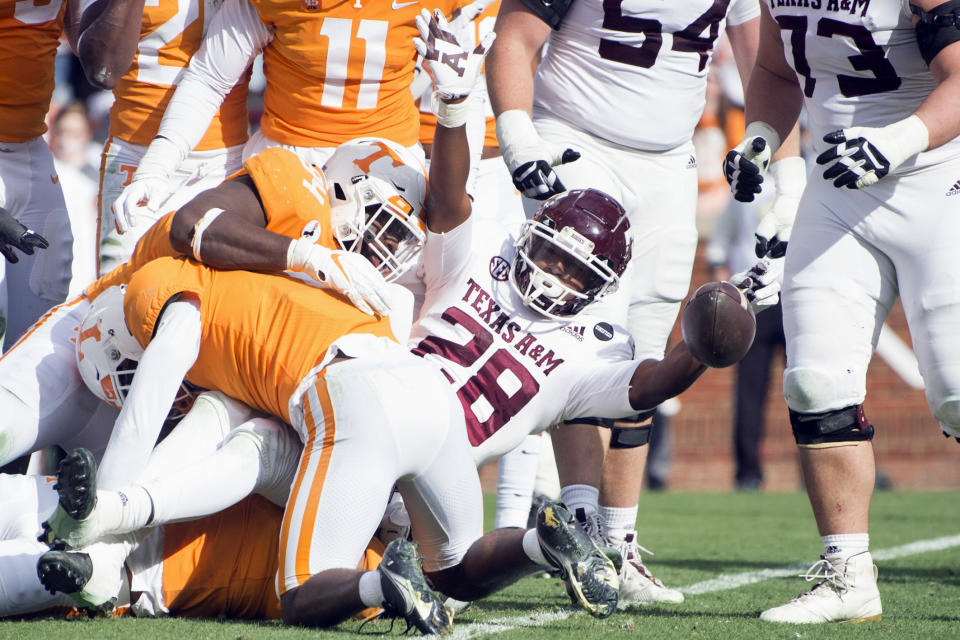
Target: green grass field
726, 539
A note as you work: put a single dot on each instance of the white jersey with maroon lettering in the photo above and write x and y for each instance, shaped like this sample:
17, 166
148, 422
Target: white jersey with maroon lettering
515, 371
858, 65
635, 73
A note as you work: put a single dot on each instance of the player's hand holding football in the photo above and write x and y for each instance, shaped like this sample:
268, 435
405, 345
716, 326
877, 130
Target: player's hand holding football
862, 156
15, 235
349, 273
761, 283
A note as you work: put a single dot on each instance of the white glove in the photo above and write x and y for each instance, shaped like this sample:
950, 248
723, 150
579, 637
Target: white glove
454, 69
746, 163
530, 159
864, 155
349, 273
773, 231
761, 283
150, 185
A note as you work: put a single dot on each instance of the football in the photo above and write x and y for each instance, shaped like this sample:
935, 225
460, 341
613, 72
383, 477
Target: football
718, 324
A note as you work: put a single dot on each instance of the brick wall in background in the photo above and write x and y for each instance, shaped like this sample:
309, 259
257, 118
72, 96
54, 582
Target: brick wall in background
910, 448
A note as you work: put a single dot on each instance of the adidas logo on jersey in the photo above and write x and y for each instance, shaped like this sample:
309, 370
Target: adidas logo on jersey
576, 332
955, 189
692, 162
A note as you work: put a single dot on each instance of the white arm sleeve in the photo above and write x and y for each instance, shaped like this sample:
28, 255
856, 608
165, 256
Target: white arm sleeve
446, 254
602, 391
233, 39
742, 11
166, 360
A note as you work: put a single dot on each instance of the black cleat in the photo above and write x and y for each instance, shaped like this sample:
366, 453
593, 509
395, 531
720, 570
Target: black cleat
589, 574
406, 593
70, 572
77, 483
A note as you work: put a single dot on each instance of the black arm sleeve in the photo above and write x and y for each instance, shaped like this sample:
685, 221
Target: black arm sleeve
550, 11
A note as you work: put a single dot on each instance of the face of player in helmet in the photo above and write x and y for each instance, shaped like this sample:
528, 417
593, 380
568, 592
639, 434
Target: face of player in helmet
560, 268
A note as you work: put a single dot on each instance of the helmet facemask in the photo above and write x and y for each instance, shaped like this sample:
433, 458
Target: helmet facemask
387, 234
556, 272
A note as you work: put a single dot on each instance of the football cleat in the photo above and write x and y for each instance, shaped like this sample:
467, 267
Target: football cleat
590, 576
71, 524
847, 592
406, 593
637, 585
594, 526
92, 578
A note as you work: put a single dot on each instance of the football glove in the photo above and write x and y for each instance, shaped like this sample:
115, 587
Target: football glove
761, 283
773, 231
150, 186
862, 156
15, 235
530, 159
746, 163
453, 69
349, 273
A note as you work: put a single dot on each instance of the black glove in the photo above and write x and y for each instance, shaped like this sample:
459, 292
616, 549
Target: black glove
858, 162
13, 234
537, 179
743, 169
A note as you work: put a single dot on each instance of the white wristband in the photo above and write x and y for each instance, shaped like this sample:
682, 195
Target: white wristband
451, 114
515, 132
910, 136
765, 131
789, 175
201, 225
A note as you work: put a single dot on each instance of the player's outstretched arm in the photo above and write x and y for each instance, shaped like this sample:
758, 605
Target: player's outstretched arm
106, 39
654, 381
455, 70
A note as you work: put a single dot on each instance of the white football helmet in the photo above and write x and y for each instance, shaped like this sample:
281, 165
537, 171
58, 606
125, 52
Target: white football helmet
108, 354
377, 189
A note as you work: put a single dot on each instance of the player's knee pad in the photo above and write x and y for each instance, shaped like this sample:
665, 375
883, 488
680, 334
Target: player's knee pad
947, 412
837, 428
809, 390
632, 432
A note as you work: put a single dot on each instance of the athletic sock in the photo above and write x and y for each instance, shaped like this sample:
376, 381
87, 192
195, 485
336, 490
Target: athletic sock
531, 547
516, 475
844, 545
371, 593
619, 520
580, 496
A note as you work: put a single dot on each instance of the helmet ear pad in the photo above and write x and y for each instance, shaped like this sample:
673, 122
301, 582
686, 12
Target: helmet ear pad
571, 253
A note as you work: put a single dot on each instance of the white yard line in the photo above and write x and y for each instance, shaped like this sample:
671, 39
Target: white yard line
735, 580
499, 625
720, 583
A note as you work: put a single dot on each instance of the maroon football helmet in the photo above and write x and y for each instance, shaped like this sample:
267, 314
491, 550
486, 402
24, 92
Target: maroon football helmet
572, 252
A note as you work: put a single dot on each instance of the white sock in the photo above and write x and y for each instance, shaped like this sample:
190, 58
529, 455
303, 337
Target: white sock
371, 594
516, 475
619, 520
580, 496
125, 510
845, 545
531, 547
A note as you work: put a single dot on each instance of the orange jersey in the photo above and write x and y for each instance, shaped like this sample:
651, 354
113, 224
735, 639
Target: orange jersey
170, 33
262, 333
29, 36
341, 70
225, 565
294, 196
